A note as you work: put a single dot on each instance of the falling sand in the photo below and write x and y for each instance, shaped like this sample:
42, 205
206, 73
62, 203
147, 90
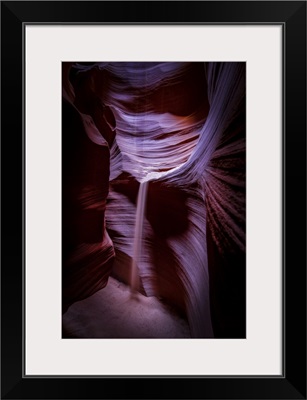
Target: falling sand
138, 235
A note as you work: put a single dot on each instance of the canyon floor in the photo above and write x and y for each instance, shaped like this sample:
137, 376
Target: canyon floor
113, 312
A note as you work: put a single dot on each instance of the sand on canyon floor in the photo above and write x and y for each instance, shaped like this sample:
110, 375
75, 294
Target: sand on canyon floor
113, 312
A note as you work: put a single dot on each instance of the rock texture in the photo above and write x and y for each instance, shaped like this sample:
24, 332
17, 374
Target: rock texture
181, 127
87, 250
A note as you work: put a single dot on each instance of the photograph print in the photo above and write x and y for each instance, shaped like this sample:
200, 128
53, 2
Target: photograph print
153, 200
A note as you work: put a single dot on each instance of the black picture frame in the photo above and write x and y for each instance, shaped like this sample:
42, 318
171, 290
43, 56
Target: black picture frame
292, 16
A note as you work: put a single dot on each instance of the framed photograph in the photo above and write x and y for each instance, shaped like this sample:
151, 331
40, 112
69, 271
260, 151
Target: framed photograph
153, 200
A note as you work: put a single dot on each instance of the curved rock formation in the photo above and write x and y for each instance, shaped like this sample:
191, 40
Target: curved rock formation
87, 250
181, 127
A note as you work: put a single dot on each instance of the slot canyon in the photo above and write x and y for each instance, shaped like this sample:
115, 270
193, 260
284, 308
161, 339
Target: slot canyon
153, 200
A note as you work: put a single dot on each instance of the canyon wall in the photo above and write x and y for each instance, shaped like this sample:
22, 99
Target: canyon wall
181, 127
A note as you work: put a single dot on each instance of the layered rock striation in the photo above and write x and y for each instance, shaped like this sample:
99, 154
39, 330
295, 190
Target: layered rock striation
181, 128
